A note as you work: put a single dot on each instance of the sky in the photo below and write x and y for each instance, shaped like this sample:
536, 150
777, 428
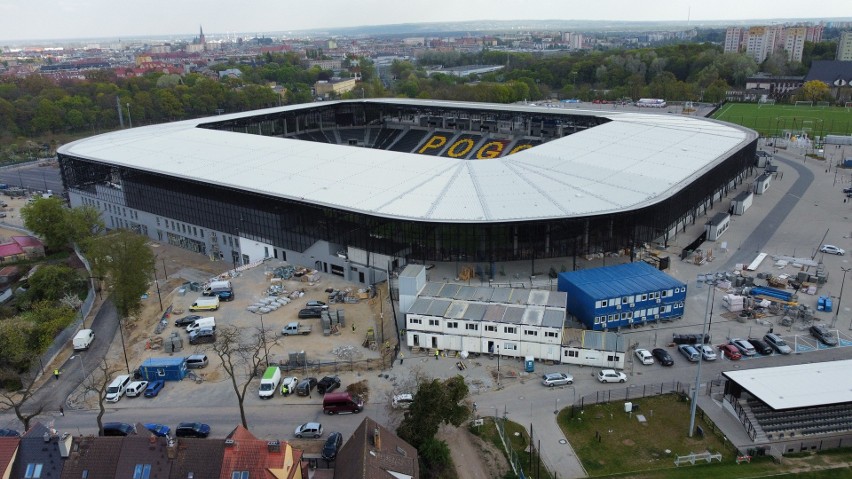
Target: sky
70, 19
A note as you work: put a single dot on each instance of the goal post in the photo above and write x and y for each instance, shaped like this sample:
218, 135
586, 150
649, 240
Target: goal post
804, 103
848, 105
823, 104
765, 101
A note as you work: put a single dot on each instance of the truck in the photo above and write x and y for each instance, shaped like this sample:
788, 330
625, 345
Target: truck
269, 382
295, 328
208, 323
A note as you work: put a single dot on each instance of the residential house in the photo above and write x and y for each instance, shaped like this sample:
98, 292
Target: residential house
247, 457
8, 452
196, 458
836, 74
39, 454
31, 245
143, 457
374, 452
92, 456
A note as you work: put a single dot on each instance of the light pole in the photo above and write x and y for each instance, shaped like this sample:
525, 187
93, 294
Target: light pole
129, 119
840, 296
498, 364
82, 367
157, 282
708, 313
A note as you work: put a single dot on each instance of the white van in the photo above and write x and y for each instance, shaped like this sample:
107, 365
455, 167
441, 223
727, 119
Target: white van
135, 388
205, 304
269, 382
83, 339
117, 388
208, 322
216, 286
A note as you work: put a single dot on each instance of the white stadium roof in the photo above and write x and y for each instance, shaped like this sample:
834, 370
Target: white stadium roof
799, 385
632, 161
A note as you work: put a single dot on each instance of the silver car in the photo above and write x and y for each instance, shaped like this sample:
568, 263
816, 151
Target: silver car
557, 379
777, 343
745, 347
707, 352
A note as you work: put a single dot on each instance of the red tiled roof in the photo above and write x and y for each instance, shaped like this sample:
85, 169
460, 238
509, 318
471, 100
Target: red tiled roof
10, 249
8, 451
27, 241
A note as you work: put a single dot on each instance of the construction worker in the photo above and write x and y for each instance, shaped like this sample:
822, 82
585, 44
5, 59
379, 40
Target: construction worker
56, 373
401, 358
437, 353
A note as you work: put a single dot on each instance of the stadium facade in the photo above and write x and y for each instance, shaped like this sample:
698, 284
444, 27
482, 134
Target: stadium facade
356, 188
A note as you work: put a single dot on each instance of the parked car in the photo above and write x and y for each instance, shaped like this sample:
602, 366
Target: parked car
730, 352
557, 379
313, 304
332, 445
225, 295
706, 351
309, 429
305, 386
154, 388
160, 430
611, 376
328, 384
310, 313
9, 433
691, 354
288, 385
831, 249
663, 356
745, 348
187, 320
192, 429
760, 346
135, 388
402, 400
196, 361
644, 356
823, 335
777, 343
118, 429
201, 336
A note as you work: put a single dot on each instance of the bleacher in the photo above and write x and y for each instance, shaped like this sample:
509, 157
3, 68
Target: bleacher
408, 141
803, 421
316, 135
470, 145
351, 136
385, 138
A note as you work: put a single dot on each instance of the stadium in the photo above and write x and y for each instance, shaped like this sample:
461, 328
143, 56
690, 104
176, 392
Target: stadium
359, 188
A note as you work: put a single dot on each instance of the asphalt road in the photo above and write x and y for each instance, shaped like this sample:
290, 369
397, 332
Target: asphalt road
33, 177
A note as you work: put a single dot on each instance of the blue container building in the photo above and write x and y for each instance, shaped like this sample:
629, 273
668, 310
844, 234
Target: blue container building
168, 369
622, 295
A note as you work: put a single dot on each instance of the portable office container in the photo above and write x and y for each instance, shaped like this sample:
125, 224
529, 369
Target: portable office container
168, 369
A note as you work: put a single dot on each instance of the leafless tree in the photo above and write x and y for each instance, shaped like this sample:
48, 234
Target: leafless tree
97, 384
242, 358
15, 400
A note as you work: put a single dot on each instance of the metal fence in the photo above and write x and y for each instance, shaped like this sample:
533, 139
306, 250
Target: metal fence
320, 367
514, 460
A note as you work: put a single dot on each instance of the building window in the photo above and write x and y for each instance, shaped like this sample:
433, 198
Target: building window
453, 325
644, 297
572, 353
434, 322
603, 304
33, 471
240, 475
142, 471
202, 235
665, 293
471, 327
510, 330
529, 332
510, 347
491, 328
415, 321
551, 334
158, 221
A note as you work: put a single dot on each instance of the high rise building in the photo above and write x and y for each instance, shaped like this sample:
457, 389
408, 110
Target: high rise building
794, 42
733, 39
844, 47
761, 41
814, 34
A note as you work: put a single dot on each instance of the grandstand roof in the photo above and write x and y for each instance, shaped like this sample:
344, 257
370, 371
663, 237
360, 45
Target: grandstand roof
799, 385
630, 162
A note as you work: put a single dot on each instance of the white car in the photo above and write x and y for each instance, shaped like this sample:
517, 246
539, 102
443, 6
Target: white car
402, 400
644, 356
707, 352
309, 429
288, 385
611, 376
831, 249
557, 379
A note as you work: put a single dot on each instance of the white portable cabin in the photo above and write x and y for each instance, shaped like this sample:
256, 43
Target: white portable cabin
761, 184
717, 226
742, 202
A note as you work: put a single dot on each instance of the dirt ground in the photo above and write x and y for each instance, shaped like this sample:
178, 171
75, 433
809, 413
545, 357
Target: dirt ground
473, 457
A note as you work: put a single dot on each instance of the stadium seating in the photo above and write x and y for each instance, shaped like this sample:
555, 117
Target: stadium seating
408, 141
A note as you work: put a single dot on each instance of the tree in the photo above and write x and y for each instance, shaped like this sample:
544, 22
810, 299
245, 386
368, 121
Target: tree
815, 90
15, 400
435, 402
241, 359
50, 282
98, 384
47, 218
126, 264
84, 222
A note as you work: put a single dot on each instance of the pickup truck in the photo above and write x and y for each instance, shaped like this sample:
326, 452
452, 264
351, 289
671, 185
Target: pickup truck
296, 328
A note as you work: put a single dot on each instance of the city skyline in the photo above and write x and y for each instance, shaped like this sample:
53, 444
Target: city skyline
76, 19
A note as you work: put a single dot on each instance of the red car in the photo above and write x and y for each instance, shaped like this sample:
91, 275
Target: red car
730, 351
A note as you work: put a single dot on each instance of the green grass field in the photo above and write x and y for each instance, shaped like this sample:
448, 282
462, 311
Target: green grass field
775, 120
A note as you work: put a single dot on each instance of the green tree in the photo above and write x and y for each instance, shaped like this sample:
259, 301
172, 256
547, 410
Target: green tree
126, 264
84, 223
47, 217
815, 90
435, 402
435, 458
50, 282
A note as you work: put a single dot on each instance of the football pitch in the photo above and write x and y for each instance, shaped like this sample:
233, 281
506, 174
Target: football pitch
778, 120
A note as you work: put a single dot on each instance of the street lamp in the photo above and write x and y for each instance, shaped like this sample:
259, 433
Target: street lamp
263, 338
840, 297
129, 119
498, 364
82, 367
708, 314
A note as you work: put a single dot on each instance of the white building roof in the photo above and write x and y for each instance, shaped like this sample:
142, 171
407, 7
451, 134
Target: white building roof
799, 385
632, 161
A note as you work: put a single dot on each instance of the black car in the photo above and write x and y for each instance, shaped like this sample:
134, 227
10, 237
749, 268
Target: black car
186, 320
663, 356
823, 335
328, 384
305, 386
332, 445
310, 313
118, 429
226, 295
202, 336
760, 346
192, 429
9, 433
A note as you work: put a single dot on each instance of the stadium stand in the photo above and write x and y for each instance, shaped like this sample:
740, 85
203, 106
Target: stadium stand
408, 141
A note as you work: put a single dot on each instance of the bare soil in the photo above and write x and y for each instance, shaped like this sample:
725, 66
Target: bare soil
473, 457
